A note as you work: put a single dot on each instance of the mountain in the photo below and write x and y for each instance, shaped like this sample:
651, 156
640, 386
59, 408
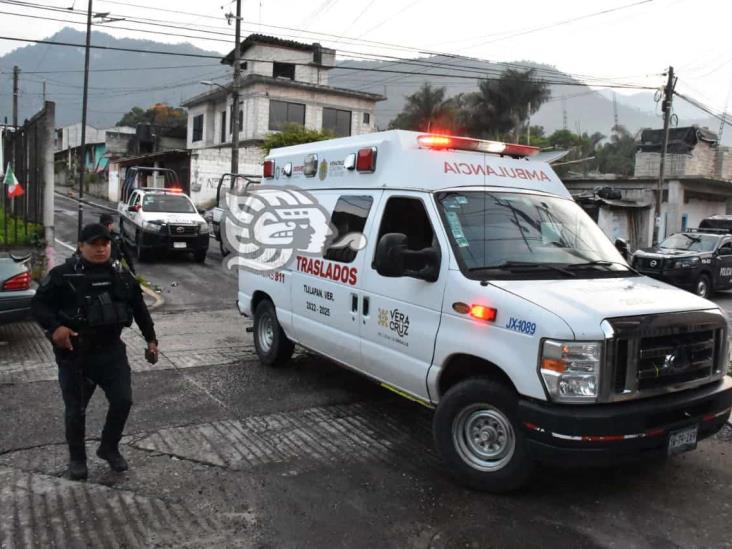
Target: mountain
587, 110
113, 90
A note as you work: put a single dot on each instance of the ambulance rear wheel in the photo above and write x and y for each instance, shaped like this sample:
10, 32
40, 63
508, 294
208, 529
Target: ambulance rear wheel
477, 433
270, 341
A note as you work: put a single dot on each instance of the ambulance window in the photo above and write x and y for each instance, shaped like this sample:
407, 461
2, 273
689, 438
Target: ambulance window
408, 216
349, 217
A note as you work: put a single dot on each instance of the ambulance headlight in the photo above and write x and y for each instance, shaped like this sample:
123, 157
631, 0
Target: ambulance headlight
571, 369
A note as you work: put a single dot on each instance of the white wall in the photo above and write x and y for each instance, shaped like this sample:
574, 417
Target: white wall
207, 166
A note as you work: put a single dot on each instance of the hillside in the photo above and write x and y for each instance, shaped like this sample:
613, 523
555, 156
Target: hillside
112, 91
158, 78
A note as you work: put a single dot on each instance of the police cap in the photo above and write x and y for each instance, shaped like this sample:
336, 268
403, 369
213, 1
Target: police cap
94, 231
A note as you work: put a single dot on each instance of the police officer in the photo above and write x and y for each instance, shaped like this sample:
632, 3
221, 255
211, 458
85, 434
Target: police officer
83, 305
119, 248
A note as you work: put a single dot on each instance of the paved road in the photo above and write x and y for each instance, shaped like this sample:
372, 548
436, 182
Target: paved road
227, 453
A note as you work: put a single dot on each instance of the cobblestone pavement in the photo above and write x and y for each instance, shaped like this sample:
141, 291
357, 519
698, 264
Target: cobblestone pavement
202, 340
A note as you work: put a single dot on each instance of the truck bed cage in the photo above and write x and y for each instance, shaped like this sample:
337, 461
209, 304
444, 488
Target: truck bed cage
131, 182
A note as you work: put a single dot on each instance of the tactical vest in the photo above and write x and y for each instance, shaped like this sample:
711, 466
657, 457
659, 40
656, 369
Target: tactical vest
102, 297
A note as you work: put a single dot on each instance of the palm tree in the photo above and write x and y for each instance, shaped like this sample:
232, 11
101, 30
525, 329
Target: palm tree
425, 110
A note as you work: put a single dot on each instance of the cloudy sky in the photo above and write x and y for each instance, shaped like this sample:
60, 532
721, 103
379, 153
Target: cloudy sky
603, 41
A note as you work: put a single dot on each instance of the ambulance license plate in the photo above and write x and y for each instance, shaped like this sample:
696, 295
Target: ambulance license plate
682, 440
179, 244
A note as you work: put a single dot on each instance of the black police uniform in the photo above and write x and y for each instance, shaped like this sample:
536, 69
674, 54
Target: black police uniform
97, 301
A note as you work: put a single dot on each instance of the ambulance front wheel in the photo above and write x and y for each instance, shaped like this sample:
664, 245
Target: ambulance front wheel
477, 434
270, 341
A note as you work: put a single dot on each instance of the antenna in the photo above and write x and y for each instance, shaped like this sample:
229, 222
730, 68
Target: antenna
564, 112
616, 120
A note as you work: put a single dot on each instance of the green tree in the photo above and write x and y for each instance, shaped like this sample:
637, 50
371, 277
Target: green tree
427, 110
502, 106
293, 134
618, 155
160, 114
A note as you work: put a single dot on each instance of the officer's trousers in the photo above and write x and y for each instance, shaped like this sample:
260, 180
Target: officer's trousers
79, 376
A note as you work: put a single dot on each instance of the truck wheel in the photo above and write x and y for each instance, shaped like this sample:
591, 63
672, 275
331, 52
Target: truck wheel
703, 287
270, 341
199, 256
476, 432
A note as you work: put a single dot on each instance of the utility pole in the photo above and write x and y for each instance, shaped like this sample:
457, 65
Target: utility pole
564, 112
668, 98
16, 74
235, 95
84, 101
616, 120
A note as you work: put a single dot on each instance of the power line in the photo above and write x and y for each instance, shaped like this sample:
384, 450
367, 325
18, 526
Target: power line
699, 105
359, 69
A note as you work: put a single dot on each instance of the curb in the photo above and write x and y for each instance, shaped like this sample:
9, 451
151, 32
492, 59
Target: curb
159, 300
87, 202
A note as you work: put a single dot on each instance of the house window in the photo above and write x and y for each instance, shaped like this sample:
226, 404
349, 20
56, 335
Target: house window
223, 126
367, 118
337, 121
197, 128
282, 113
283, 70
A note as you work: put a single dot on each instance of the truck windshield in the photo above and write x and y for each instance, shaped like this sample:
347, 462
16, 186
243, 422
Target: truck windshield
691, 242
530, 235
171, 203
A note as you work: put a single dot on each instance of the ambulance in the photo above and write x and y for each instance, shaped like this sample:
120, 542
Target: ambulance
473, 284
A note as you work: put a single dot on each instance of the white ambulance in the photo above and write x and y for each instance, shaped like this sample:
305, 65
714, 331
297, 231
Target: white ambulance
485, 292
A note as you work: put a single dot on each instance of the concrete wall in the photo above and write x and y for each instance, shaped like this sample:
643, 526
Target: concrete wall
255, 106
207, 166
701, 162
305, 71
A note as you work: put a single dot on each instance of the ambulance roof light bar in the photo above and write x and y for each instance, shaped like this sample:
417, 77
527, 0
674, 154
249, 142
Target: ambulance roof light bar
443, 142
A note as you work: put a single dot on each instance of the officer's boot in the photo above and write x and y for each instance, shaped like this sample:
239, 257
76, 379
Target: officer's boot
77, 463
112, 456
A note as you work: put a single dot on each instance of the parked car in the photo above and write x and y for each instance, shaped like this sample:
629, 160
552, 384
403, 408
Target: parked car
698, 260
16, 289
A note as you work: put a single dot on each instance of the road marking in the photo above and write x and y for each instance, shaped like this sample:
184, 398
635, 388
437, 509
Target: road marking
69, 246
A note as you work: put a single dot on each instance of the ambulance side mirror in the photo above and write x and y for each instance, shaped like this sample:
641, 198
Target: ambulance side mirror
394, 259
622, 246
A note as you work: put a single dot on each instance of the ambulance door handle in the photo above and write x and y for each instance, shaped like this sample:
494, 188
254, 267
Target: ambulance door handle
354, 303
365, 306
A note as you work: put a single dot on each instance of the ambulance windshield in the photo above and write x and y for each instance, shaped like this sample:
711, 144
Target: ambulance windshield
526, 235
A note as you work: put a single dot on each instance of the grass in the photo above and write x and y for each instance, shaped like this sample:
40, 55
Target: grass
26, 235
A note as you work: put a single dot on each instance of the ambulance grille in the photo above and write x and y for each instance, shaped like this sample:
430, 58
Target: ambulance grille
654, 354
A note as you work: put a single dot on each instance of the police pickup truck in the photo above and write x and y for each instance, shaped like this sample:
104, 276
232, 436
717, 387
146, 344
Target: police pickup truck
155, 220
698, 260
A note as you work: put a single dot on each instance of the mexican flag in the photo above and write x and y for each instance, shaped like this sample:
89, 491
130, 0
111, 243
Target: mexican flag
12, 186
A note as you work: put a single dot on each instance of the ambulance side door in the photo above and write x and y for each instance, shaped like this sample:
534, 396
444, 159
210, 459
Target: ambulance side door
401, 315
325, 290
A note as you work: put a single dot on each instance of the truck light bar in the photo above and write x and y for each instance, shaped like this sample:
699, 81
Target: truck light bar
443, 142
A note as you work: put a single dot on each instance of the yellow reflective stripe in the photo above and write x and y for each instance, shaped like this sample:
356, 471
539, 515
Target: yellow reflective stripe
413, 398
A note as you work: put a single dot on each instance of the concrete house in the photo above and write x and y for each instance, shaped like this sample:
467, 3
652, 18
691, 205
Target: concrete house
282, 82
698, 184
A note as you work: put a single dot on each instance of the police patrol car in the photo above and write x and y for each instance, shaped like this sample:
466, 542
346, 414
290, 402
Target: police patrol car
484, 291
698, 260
155, 220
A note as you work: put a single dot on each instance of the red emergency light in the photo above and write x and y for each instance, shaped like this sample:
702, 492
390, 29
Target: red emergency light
268, 169
366, 160
443, 142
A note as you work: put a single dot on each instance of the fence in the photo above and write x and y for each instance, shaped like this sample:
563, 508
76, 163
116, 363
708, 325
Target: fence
28, 150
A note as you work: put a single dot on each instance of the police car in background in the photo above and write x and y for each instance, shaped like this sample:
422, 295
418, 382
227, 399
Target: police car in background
154, 221
698, 260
